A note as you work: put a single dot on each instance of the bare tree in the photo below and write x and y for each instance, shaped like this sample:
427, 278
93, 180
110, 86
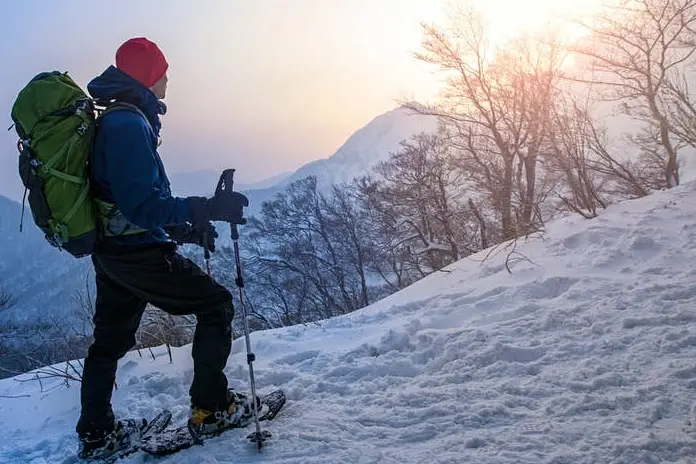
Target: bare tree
309, 241
571, 154
84, 305
160, 328
42, 347
426, 190
6, 299
639, 51
349, 234
497, 108
53, 339
391, 257
624, 178
682, 109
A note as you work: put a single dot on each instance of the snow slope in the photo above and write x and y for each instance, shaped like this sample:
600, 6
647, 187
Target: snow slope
585, 353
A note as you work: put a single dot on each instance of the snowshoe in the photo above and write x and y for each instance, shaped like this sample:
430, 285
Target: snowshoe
202, 425
122, 441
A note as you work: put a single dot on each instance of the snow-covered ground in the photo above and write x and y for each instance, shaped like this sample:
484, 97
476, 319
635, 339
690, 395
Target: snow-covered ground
586, 353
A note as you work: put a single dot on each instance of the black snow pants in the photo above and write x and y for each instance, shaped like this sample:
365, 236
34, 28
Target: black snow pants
126, 281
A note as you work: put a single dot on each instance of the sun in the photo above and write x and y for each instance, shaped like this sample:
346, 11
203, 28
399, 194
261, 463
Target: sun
512, 18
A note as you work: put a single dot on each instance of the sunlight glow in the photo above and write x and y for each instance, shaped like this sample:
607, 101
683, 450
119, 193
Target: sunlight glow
511, 18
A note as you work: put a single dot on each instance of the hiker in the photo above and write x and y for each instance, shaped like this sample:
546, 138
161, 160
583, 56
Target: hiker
136, 260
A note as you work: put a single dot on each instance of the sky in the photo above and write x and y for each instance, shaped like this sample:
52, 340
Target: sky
262, 86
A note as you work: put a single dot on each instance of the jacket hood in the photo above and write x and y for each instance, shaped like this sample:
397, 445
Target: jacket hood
114, 84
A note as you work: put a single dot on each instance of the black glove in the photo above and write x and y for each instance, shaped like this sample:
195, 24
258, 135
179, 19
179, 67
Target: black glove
185, 233
224, 206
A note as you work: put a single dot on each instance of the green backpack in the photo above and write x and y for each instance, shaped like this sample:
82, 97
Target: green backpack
56, 123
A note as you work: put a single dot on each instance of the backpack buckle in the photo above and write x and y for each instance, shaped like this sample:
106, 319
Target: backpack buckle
54, 240
82, 129
23, 144
80, 107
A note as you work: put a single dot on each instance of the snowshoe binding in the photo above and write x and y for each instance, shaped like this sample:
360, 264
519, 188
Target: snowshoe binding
238, 411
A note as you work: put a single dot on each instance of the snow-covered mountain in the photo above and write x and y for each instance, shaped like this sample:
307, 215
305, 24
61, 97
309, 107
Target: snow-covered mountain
363, 150
584, 354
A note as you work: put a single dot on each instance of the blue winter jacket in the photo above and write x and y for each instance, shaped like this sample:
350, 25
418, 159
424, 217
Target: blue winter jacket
126, 168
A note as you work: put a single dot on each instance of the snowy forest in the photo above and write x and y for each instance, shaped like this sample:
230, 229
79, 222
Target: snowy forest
528, 134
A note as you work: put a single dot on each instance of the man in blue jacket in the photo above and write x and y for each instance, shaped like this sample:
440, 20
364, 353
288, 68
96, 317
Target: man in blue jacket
136, 262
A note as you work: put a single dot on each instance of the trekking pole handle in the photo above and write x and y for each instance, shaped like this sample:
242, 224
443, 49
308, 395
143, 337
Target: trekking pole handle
226, 183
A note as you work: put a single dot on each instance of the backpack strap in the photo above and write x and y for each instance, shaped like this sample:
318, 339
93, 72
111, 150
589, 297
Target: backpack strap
120, 106
113, 222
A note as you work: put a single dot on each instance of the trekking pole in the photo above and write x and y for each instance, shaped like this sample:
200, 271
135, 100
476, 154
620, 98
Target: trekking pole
226, 183
206, 252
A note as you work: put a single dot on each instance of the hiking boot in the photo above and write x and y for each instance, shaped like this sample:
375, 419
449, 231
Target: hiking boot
237, 411
101, 444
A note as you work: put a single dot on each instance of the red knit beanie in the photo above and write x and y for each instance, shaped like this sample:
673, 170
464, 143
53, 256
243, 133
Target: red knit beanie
142, 60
